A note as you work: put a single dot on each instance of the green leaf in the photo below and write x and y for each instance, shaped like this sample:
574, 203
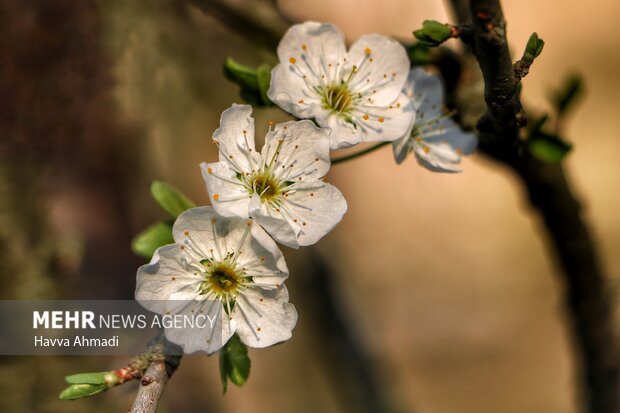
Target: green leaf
253, 83
419, 54
88, 378
155, 236
76, 391
234, 362
548, 148
242, 75
263, 74
170, 199
433, 33
534, 47
568, 94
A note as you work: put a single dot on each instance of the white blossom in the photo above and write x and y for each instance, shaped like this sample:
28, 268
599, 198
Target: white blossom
356, 93
229, 269
280, 187
434, 138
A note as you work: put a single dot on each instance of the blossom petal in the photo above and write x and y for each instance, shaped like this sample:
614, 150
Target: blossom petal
304, 151
308, 55
264, 318
273, 222
228, 195
216, 332
314, 209
448, 131
235, 137
343, 134
290, 91
382, 65
401, 147
426, 92
164, 276
437, 157
386, 123
264, 262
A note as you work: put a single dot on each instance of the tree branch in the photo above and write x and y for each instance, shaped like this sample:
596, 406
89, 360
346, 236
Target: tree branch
154, 380
588, 300
504, 112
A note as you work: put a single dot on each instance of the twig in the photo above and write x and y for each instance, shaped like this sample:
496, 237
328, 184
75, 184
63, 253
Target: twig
587, 297
156, 377
153, 385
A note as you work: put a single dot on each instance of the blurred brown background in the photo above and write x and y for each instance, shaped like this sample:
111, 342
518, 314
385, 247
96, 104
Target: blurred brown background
443, 282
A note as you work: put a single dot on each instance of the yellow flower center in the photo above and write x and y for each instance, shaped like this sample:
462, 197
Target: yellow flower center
337, 98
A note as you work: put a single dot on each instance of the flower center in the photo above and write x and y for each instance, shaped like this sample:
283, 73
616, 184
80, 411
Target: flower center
267, 186
337, 98
223, 279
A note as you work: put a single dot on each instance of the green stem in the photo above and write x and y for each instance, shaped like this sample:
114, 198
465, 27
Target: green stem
360, 153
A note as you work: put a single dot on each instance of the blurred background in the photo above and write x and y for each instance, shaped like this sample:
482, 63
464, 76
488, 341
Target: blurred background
435, 294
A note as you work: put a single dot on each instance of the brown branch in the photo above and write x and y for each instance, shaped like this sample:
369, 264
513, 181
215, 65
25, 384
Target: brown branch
588, 299
160, 369
589, 303
152, 386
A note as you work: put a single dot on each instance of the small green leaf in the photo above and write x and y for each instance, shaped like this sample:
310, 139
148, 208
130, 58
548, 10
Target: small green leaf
88, 378
253, 83
76, 391
242, 75
568, 94
263, 74
548, 148
170, 199
534, 47
433, 33
419, 54
234, 362
155, 236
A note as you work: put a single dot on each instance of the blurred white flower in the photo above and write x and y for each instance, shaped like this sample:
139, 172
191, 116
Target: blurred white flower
356, 93
230, 270
434, 138
281, 187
